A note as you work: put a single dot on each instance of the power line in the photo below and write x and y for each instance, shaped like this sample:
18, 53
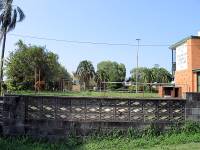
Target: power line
87, 42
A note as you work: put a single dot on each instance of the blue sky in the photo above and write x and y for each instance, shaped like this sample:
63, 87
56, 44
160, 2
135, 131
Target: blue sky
113, 21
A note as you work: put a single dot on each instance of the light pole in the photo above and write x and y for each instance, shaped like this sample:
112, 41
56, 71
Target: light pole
136, 74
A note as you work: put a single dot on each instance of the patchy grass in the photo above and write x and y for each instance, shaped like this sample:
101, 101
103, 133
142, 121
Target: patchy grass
91, 94
173, 142
185, 137
176, 141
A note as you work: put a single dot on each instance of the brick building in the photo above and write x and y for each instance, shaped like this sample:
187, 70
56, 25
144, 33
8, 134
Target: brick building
186, 64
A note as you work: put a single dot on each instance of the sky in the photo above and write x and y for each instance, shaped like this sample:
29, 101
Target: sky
155, 22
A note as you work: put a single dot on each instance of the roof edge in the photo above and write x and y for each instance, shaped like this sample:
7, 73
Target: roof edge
196, 70
173, 46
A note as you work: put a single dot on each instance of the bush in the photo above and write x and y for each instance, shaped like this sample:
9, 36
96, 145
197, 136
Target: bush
191, 127
133, 88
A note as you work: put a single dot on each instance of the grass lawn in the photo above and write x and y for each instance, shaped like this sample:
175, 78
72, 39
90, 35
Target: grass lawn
173, 142
190, 146
91, 94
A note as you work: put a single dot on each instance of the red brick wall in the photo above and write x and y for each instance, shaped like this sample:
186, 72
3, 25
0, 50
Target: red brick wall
195, 60
183, 78
187, 79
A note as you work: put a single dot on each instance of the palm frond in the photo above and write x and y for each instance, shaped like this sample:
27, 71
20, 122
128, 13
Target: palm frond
12, 24
1, 19
1, 5
21, 14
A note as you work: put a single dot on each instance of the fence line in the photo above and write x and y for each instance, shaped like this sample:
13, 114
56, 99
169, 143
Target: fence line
97, 109
57, 116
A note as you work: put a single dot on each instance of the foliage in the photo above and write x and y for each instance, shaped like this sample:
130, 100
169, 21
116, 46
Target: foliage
25, 60
86, 72
10, 15
186, 138
90, 94
114, 72
151, 75
191, 127
161, 75
140, 88
144, 75
101, 76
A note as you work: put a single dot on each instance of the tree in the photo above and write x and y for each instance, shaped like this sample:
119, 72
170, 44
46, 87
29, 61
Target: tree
9, 16
22, 63
151, 75
101, 76
115, 72
144, 75
161, 75
86, 72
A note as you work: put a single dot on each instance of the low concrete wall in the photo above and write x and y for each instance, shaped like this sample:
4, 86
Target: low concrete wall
43, 116
192, 109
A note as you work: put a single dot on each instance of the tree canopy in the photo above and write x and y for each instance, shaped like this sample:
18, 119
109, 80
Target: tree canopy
22, 63
86, 72
114, 71
151, 75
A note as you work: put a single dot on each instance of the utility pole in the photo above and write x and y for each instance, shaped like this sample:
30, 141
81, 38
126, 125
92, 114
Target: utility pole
136, 74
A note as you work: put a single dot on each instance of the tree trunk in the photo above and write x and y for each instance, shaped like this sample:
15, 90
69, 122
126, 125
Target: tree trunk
2, 61
1, 36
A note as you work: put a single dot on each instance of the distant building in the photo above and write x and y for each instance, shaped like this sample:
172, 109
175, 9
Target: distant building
186, 64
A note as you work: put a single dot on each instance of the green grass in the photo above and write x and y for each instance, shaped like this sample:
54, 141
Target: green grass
190, 146
91, 94
184, 137
180, 141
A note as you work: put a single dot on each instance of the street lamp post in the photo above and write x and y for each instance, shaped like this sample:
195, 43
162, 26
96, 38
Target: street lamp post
136, 74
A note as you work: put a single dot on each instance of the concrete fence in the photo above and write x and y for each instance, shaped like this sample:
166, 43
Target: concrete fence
58, 116
192, 108
44, 116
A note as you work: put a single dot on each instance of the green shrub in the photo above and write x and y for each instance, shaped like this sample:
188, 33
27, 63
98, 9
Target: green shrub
191, 127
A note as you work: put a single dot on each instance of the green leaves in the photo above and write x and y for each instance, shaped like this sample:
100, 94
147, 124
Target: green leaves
113, 71
21, 14
22, 63
85, 71
10, 15
151, 75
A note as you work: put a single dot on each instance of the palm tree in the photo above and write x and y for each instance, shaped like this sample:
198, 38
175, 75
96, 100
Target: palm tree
85, 72
101, 76
9, 16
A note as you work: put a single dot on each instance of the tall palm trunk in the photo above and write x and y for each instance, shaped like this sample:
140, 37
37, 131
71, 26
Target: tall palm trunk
2, 60
1, 36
